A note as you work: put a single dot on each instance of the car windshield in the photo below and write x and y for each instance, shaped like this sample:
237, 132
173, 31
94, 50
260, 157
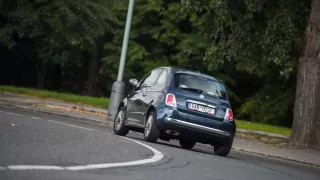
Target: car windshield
201, 85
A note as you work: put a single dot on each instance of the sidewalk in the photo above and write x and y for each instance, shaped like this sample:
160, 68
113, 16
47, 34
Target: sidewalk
305, 156
98, 116
52, 107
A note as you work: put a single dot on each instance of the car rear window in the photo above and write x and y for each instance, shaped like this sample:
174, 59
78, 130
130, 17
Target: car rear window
204, 85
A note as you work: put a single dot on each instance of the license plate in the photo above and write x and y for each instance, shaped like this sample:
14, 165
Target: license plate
200, 108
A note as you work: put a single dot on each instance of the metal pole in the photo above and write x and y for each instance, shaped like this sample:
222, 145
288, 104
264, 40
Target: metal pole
125, 40
118, 87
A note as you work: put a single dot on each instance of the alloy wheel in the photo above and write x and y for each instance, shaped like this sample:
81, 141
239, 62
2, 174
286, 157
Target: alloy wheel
119, 120
147, 129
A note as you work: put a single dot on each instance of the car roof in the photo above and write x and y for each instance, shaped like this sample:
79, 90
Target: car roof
187, 71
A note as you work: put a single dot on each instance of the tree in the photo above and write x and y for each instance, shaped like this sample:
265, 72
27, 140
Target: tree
306, 122
162, 34
261, 37
55, 27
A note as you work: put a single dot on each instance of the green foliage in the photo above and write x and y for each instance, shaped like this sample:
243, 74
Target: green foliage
161, 34
271, 105
55, 26
261, 36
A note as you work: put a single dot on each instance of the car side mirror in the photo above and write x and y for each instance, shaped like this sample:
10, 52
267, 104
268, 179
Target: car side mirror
134, 82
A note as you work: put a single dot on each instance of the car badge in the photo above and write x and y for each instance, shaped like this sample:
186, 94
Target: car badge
201, 96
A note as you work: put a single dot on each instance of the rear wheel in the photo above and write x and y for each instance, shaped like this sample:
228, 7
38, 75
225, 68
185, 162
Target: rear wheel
187, 144
222, 150
119, 128
151, 131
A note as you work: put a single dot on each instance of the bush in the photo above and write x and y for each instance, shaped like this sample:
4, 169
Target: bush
271, 105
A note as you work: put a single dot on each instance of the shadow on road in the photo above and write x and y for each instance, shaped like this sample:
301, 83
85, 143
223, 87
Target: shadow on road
199, 148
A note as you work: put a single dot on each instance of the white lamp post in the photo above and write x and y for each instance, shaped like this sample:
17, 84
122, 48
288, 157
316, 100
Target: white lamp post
118, 87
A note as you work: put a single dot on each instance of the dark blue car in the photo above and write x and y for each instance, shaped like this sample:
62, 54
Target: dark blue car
170, 103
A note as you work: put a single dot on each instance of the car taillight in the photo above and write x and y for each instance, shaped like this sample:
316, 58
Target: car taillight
171, 100
229, 115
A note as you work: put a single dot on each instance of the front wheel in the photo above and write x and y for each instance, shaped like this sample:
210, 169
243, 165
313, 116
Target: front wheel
151, 131
119, 128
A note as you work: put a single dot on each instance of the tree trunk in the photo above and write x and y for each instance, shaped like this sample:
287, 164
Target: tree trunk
82, 81
94, 66
92, 75
306, 121
41, 74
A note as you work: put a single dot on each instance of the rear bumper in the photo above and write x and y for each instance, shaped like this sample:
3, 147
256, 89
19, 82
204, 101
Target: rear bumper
196, 132
196, 127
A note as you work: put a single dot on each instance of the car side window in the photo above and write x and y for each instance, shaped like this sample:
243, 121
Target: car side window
151, 78
143, 79
162, 78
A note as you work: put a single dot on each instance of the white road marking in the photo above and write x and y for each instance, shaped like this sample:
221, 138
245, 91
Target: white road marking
34, 167
35, 118
76, 126
2, 168
14, 114
157, 156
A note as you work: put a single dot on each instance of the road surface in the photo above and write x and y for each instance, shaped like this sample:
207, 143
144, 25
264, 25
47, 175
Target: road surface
35, 146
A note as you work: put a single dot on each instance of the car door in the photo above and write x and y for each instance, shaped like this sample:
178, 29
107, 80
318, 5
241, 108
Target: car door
155, 93
136, 99
146, 85
134, 102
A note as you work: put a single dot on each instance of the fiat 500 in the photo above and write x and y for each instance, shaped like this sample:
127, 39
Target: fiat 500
170, 103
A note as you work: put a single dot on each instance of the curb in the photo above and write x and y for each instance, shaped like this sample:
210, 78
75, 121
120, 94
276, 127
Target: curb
45, 102
87, 120
88, 109
262, 133
276, 157
270, 156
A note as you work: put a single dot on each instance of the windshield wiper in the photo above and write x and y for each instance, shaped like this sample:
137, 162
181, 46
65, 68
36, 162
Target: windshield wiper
193, 90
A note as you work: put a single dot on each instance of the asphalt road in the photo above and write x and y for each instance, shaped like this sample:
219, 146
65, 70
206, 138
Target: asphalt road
56, 145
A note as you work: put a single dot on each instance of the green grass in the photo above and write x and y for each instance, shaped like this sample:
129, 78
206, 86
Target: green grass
263, 127
79, 99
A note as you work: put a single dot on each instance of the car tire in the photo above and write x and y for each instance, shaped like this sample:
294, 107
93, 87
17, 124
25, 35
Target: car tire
222, 150
119, 127
187, 144
151, 131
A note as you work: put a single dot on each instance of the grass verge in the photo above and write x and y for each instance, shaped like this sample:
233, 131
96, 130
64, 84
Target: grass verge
79, 99
263, 127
